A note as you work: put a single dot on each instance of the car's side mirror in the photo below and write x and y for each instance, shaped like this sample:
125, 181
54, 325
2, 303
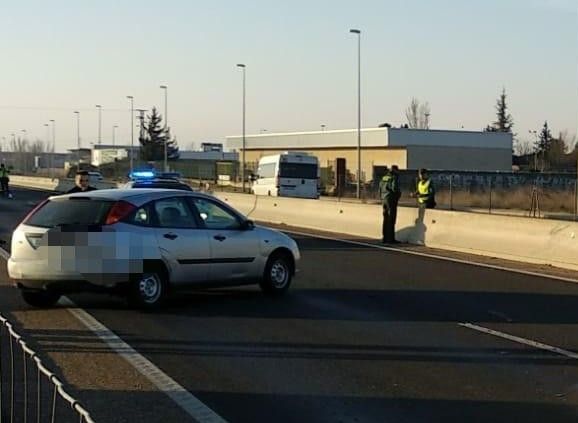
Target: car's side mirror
247, 225
253, 177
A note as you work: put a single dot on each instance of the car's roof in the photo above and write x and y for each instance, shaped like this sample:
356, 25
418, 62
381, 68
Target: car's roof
158, 180
136, 196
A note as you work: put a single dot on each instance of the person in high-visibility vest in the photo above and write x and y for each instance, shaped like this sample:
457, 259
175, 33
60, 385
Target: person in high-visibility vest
389, 193
425, 191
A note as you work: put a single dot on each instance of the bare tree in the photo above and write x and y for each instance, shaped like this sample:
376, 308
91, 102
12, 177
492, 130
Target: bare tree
524, 147
417, 114
568, 140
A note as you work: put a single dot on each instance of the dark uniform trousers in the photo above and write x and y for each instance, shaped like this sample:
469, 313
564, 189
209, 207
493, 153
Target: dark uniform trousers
389, 219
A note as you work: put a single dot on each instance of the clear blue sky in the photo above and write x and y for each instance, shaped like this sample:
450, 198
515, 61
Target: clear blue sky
62, 55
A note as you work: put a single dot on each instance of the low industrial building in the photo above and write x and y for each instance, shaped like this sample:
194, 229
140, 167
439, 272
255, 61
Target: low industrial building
407, 148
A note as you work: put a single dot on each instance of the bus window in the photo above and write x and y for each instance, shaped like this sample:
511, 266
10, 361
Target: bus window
298, 170
266, 170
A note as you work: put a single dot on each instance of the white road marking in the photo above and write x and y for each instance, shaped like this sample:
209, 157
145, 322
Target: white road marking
183, 398
433, 256
187, 401
520, 340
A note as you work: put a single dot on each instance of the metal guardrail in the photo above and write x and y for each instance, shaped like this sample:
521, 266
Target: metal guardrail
17, 400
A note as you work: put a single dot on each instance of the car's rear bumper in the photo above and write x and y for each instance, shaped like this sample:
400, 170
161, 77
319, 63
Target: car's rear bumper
38, 275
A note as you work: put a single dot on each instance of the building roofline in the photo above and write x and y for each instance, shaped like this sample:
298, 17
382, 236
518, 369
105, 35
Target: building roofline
341, 131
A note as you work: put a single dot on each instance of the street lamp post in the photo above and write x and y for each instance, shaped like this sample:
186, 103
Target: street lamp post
113, 134
78, 137
53, 149
47, 126
358, 32
131, 98
99, 107
243, 67
165, 88
46, 139
535, 149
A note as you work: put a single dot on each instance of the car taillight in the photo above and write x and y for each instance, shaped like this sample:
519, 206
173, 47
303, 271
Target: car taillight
34, 210
119, 211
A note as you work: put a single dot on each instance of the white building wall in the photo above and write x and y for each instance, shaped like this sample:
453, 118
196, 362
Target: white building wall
399, 137
459, 158
374, 137
371, 137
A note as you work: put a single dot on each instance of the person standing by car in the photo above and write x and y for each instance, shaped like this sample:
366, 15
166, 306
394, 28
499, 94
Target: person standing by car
425, 191
388, 192
397, 197
4, 180
81, 183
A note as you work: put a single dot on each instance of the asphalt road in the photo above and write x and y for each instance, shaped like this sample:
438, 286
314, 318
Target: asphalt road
364, 335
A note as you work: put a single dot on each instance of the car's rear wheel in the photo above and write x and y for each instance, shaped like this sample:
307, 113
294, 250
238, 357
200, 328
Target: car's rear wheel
41, 299
278, 274
148, 290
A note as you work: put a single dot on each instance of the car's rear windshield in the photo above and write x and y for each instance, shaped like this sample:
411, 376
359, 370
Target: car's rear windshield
61, 212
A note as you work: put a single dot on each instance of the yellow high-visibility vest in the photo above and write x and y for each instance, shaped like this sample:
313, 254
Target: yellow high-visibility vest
423, 190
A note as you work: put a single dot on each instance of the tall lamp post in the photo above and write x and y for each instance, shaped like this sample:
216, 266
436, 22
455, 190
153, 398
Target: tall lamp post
47, 126
99, 107
243, 67
165, 88
358, 32
77, 113
535, 147
53, 149
131, 98
113, 134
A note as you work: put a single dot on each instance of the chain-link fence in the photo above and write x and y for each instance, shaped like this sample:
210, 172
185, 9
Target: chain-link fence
29, 392
518, 194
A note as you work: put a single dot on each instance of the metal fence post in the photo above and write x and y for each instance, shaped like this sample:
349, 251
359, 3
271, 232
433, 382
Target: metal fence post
452, 191
576, 200
491, 189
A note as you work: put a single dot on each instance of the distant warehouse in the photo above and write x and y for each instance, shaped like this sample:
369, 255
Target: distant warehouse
408, 148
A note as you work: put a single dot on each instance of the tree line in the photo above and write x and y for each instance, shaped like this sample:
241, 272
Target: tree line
545, 152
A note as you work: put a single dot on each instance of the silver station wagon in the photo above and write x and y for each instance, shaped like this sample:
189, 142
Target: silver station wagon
143, 243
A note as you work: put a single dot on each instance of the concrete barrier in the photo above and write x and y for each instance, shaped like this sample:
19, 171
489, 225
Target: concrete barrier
49, 184
538, 241
33, 182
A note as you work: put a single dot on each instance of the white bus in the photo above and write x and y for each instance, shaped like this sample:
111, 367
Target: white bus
290, 174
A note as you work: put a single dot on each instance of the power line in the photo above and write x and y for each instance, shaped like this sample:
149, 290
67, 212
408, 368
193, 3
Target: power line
52, 109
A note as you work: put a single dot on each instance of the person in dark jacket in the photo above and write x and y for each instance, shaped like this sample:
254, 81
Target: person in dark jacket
4, 180
389, 193
81, 183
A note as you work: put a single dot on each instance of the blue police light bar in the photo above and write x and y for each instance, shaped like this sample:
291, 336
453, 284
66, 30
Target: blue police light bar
142, 174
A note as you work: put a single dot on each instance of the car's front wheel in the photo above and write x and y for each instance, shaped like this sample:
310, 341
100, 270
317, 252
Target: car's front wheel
278, 274
148, 290
40, 299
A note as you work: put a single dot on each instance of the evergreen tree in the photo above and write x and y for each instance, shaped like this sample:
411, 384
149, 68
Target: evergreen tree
544, 140
505, 122
544, 145
153, 139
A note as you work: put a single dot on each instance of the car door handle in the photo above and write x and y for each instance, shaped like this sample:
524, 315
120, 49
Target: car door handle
220, 237
170, 236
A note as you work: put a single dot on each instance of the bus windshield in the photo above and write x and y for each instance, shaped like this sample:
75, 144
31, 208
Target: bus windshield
298, 170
